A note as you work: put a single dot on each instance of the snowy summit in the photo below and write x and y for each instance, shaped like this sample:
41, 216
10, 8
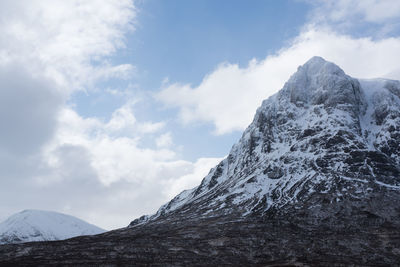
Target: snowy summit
38, 225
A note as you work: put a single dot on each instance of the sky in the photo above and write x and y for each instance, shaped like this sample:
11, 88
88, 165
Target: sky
110, 108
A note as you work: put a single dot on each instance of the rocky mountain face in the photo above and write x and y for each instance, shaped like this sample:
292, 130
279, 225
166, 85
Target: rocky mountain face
323, 133
38, 225
314, 180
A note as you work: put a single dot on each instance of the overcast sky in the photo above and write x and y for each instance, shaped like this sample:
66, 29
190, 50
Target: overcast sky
109, 108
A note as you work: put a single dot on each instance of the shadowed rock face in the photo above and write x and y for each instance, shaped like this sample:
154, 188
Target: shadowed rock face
315, 179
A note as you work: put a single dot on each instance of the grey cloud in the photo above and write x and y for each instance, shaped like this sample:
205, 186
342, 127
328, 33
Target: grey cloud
28, 110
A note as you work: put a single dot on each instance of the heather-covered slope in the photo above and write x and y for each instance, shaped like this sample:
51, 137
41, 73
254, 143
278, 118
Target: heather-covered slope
332, 234
315, 180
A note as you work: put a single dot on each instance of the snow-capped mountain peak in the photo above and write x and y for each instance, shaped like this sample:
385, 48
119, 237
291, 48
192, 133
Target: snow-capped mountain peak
322, 82
38, 225
324, 132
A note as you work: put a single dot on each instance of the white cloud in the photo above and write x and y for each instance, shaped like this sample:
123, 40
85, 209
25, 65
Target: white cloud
151, 127
377, 11
193, 178
228, 96
67, 41
164, 140
124, 122
112, 156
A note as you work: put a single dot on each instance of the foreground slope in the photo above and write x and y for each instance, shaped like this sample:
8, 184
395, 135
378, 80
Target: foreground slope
315, 179
38, 225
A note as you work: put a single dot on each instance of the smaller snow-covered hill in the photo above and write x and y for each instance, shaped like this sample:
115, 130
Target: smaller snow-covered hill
38, 225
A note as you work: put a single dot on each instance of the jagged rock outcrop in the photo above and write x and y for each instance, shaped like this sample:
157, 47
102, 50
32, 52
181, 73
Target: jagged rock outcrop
315, 180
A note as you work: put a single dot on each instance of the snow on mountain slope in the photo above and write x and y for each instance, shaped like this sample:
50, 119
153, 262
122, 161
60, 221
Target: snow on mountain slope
323, 133
37, 225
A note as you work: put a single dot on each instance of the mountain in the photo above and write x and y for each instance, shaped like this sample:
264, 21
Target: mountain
323, 133
38, 225
314, 180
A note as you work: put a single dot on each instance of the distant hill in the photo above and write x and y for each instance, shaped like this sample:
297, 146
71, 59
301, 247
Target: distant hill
38, 225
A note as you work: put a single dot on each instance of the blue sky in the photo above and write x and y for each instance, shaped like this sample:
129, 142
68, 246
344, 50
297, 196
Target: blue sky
183, 41
109, 108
